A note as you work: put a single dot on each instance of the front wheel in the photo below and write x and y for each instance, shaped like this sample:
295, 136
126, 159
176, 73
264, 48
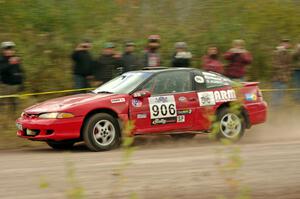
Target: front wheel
230, 124
101, 132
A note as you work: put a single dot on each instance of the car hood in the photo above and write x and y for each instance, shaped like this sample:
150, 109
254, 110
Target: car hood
63, 103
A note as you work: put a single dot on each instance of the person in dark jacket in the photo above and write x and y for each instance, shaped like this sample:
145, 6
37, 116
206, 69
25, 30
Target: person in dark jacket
238, 59
181, 58
211, 62
152, 56
82, 64
130, 61
11, 73
106, 66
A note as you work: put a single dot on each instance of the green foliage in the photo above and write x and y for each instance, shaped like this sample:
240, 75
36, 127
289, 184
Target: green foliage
76, 191
228, 158
128, 150
43, 183
47, 31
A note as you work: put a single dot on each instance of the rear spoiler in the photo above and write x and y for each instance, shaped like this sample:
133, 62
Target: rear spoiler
246, 84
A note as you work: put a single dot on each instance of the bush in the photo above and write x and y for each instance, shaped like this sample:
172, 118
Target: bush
46, 31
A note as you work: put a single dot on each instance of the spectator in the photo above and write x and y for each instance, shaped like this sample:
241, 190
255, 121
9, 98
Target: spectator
181, 58
130, 61
238, 58
82, 64
282, 61
296, 71
11, 73
152, 57
105, 67
211, 61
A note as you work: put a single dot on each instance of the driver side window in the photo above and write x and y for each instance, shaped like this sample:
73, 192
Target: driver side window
169, 82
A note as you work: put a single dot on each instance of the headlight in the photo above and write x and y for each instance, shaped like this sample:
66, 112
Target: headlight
56, 115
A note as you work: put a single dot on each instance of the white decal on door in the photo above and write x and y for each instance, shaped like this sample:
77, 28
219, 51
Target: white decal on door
212, 97
206, 98
162, 107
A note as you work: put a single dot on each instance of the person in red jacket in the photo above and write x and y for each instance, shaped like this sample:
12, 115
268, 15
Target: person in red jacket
211, 62
238, 59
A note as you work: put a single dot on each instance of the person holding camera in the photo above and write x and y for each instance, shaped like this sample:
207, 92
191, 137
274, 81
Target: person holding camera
11, 73
211, 62
281, 71
82, 64
238, 59
296, 71
108, 65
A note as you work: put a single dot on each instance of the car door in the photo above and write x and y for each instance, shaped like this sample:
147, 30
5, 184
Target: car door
170, 107
212, 90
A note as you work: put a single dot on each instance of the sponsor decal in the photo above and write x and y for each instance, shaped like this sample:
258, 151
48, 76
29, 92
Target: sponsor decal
212, 97
250, 97
225, 95
180, 118
161, 99
210, 74
118, 100
199, 79
184, 112
163, 121
162, 107
182, 99
141, 116
206, 98
215, 79
137, 103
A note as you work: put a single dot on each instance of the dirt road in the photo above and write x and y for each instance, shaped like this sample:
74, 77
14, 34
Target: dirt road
162, 168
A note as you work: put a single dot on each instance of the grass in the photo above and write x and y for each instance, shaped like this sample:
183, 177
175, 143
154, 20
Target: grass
47, 32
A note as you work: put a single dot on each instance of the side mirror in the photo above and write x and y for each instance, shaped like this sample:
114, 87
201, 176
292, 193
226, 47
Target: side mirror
142, 94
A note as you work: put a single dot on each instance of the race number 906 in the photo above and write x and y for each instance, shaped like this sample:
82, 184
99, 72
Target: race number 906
163, 110
162, 107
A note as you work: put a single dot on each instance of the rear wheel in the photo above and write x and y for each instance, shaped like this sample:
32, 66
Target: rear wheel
183, 136
61, 145
101, 132
230, 124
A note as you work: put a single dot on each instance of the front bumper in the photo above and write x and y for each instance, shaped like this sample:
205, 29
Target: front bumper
49, 129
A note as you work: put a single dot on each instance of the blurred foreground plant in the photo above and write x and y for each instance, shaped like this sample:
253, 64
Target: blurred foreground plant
76, 191
128, 150
228, 157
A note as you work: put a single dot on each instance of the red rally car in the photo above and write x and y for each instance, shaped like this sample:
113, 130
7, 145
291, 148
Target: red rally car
179, 102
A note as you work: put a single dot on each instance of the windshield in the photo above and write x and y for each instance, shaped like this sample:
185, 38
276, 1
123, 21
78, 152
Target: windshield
124, 83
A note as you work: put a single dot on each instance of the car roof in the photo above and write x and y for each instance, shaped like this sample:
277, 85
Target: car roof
164, 69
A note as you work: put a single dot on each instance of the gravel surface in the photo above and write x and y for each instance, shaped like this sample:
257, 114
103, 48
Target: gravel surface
163, 168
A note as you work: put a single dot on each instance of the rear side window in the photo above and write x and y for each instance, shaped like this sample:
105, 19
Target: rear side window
169, 82
214, 80
199, 81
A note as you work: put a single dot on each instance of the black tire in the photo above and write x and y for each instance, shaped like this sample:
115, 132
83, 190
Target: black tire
183, 136
95, 135
230, 125
61, 145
